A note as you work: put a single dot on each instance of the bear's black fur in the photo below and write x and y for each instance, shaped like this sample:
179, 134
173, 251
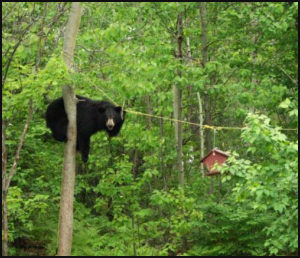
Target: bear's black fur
92, 116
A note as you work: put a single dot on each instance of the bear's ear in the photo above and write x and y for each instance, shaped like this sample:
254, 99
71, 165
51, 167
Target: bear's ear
101, 109
118, 109
121, 111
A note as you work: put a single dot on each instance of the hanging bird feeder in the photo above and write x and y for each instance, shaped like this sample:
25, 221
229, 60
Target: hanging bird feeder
213, 157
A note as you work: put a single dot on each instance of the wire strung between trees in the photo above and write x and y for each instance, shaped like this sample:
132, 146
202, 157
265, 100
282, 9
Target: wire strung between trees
211, 127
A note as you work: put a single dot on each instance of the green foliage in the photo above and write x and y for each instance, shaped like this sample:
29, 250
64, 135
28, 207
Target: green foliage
127, 200
269, 183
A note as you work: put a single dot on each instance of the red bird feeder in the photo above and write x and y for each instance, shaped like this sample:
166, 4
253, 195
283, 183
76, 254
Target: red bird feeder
213, 157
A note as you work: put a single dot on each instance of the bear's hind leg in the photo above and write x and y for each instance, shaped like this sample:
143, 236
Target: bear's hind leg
84, 147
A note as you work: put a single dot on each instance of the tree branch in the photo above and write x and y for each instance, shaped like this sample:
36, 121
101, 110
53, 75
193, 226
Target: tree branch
22, 139
292, 80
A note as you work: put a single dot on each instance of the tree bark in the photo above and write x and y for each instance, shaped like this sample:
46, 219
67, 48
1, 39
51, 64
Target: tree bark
4, 224
178, 132
204, 53
4, 202
161, 155
200, 129
69, 166
201, 133
177, 100
133, 236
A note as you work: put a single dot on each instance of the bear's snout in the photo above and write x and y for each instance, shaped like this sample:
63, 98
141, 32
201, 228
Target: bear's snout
110, 124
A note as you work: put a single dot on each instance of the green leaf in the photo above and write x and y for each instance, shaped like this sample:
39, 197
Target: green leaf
285, 104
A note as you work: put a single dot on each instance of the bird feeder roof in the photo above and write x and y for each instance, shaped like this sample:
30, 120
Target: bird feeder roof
215, 150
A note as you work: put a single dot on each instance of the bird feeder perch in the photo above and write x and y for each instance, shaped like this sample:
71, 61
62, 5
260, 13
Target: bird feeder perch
213, 157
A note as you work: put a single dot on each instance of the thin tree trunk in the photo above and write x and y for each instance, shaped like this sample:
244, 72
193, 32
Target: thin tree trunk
6, 179
204, 33
4, 155
4, 199
149, 122
189, 87
201, 133
178, 132
17, 157
200, 129
135, 162
204, 52
133, 236
147, 97
4, 224
177, 96
254, 80
69, 167
162, 167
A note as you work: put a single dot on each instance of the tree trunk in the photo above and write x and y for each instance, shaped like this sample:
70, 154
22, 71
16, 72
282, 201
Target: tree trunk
4, 201
204, 53
177, 99
133, 236
69, 167
161, 155
178, 132
200, 129
201, 133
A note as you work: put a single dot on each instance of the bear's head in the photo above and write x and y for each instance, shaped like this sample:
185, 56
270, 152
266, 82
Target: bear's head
112, 118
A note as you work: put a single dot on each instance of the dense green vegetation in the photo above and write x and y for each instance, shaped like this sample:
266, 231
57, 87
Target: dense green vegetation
127, 199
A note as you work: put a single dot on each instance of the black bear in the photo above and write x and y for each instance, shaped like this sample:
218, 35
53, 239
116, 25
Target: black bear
92, 116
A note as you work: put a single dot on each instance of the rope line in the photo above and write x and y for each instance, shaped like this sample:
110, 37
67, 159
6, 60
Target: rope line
212, 127
183, 122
